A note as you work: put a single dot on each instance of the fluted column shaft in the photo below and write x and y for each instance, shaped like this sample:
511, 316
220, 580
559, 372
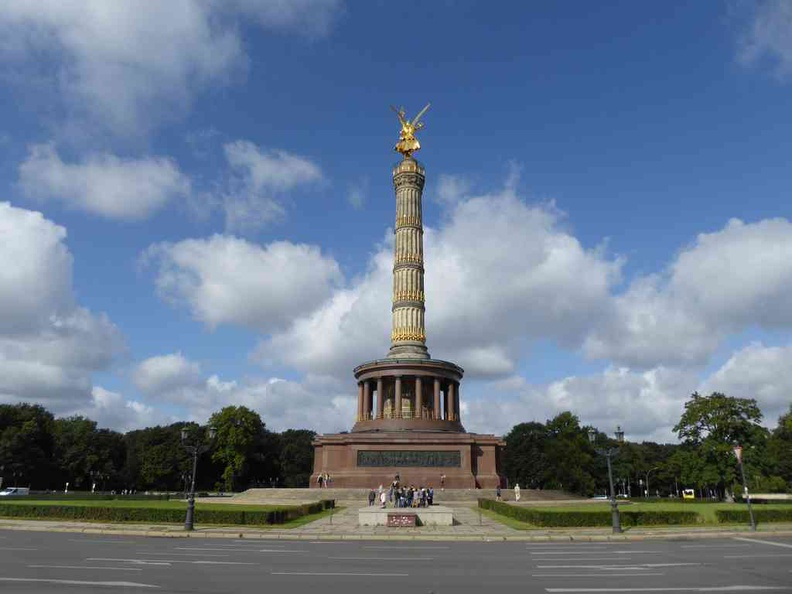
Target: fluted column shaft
408, 334
451, 402
366, 400
360, 401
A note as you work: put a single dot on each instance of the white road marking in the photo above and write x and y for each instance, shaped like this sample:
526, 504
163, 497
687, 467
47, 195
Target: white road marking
324, 573
17, 549
382, 558
700, 589
408, 548
182, 554
766, 555
607, 575
635, 566
167, 561
126, 542
79, 583
589, 552
767, 542
706, 546
620, 558
88, 567
246, 550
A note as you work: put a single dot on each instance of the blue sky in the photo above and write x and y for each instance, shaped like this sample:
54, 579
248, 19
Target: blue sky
607, 205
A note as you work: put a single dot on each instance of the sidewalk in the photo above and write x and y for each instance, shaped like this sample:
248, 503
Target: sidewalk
343, 526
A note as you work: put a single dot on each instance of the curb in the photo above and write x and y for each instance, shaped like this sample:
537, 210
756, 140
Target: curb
264, 535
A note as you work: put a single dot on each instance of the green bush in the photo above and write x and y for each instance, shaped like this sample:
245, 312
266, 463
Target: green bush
565, 519
86, 496
740, 516
162, 515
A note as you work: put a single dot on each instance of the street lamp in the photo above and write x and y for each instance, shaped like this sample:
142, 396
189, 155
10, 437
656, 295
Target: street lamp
738, 453
610, 453
647, 479
196, 448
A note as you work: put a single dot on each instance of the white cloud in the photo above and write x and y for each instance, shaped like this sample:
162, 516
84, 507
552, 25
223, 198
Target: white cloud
258, 181
727, 281
759, 372
769, 36
452, 188
227, 280
128, 63
163, 373
115, 188
500, 273
319, 403
111, 409
356, 196
49, 346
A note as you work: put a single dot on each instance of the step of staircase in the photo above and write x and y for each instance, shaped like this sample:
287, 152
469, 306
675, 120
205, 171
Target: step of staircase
360, 496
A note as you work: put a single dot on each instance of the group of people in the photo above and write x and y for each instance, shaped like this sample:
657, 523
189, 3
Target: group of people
324, 480
401, 496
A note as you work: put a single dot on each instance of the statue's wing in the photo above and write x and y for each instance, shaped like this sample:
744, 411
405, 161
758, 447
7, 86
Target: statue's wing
420, 113
399, 112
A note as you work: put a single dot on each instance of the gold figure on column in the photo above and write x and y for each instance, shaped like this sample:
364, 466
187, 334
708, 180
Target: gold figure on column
408, 143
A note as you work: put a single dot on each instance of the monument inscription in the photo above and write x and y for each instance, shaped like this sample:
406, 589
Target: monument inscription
402, 458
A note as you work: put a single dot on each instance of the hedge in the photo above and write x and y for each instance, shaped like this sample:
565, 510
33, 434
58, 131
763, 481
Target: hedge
159, 515
85, 496
550, 518
740, 516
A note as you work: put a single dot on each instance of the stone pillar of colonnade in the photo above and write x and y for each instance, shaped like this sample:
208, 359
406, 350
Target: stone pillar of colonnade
380, 398
451, 402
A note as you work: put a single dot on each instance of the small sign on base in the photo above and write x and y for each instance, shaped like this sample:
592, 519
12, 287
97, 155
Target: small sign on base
396, 520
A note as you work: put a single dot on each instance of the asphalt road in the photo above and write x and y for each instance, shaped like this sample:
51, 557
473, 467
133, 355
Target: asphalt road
66, 563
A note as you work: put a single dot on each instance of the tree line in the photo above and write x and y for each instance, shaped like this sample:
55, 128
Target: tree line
558, 454
44, 452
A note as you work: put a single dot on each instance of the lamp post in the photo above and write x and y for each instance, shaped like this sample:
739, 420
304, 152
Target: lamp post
610, 453
738, 453
193, 445
647, 479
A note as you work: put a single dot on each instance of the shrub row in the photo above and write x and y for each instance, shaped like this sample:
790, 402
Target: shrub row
549, 518
85, 496
161, 515
740, 516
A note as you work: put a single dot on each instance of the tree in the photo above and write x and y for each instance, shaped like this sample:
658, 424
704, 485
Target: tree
779, 448
296, 457
569, 455
709, 428
240, 437
155, 459
524, 460
26, 445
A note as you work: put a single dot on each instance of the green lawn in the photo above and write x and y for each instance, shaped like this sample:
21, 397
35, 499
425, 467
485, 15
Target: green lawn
155, 504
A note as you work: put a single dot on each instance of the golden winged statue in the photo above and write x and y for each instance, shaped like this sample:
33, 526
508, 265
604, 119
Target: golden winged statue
408, 143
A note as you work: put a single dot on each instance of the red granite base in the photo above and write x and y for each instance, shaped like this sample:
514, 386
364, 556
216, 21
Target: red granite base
475, 459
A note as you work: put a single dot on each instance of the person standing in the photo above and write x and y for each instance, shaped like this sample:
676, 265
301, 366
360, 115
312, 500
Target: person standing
517, 492
442, 482
382, 500
371, 497
498, 493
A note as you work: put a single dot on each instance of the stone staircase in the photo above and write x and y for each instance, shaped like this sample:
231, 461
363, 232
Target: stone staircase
348, 497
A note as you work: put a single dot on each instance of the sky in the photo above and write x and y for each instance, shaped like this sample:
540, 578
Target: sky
196, 206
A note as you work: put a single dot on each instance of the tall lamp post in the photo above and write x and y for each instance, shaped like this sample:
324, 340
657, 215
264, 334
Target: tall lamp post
738, 453
192, 443
610, 453
647, 479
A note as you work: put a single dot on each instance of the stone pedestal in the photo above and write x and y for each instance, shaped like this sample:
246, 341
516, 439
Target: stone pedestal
434, 515
420, 458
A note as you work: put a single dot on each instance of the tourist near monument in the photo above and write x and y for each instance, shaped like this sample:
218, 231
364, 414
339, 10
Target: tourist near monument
408, 419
